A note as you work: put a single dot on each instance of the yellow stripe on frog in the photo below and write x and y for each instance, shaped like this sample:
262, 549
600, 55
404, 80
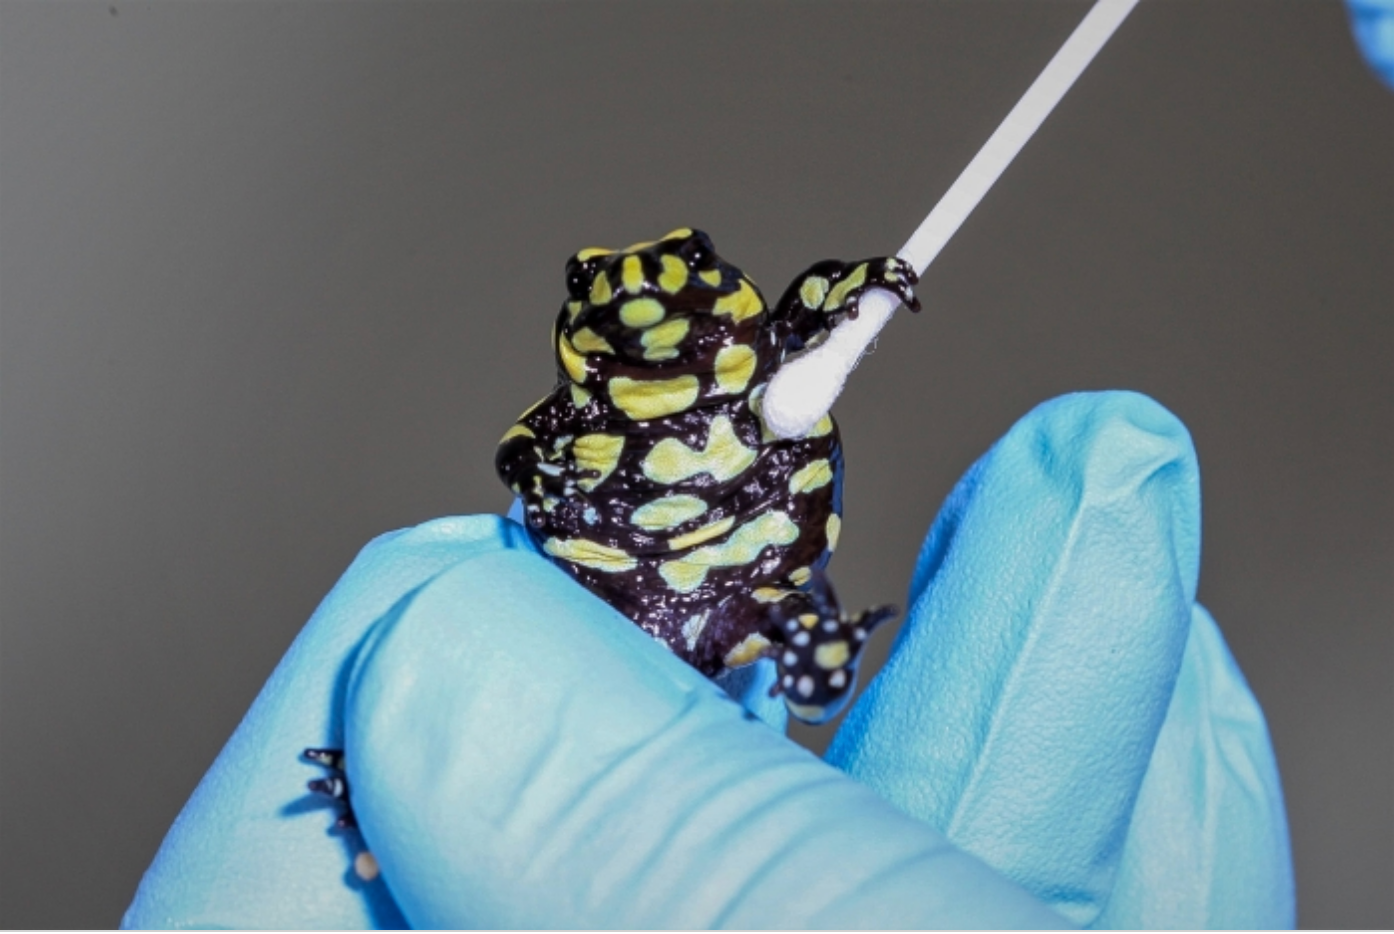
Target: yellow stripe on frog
668, 512
745, 545
734, 367
705, 534
653, 398
811, 476
597, 452
590, 554
740, 304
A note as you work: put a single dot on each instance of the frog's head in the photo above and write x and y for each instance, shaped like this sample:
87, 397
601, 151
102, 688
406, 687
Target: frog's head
671, 304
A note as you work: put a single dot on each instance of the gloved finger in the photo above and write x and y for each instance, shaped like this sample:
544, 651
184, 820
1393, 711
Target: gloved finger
523, 756
252, 848
1372, 24
1049, 612
1208, 845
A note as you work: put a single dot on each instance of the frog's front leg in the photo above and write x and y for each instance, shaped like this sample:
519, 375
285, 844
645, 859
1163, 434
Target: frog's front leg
548, 470
816, 648
827, 292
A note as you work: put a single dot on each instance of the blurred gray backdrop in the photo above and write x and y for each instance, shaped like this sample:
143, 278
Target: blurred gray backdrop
275, 277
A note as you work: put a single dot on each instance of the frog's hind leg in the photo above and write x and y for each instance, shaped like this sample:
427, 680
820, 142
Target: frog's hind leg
817, 648
827, 292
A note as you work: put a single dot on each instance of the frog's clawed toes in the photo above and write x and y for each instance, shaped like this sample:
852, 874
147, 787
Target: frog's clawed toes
335, 785
895, 275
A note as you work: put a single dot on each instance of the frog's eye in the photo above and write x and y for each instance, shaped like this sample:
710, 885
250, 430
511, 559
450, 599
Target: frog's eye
698, 251
578, 279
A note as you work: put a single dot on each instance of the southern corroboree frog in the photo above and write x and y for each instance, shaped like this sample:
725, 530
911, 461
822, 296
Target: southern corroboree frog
649, 475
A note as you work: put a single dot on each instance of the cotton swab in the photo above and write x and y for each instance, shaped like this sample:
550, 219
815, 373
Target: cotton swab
805, 389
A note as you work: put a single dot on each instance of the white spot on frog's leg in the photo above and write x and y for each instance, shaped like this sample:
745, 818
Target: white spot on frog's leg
692, 630
686, 574
811, 476
597, 452
734, 367
752, 648
667, 512
365, 866
834, 529
653, 398
801, 638
832, 655
838, 679
805, 686
671, 461
790, 659
590, 554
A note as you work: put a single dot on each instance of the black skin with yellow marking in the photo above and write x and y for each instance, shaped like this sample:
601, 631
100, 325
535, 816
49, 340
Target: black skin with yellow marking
649, 476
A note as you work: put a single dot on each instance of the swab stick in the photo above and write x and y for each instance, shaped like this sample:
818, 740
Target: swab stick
805, 389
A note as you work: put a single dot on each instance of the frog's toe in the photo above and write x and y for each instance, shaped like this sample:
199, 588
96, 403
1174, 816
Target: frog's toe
892, 274
335, 785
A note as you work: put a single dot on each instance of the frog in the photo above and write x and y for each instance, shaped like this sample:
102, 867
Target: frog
649, 476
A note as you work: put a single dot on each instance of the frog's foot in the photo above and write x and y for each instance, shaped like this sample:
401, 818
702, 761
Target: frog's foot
556, 499
335, 785
818, 649
830, 291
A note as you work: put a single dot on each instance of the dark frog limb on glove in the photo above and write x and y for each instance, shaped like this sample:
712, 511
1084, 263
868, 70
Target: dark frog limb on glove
649, 476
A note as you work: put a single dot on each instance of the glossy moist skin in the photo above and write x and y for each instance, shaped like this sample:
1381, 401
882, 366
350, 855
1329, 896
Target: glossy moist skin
649, 476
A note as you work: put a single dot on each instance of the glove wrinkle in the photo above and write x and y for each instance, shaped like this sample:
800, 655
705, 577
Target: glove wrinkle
660, 804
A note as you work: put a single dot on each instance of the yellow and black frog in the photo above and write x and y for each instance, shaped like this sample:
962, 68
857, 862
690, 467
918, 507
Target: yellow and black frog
649, 475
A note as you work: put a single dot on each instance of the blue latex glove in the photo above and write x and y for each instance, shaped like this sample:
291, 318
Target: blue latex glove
1372, 23
522, 756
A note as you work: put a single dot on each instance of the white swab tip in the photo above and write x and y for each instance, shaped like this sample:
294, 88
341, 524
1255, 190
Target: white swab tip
801, 393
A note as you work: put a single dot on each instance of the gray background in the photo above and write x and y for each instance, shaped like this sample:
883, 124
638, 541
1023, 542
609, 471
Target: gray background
275, 278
